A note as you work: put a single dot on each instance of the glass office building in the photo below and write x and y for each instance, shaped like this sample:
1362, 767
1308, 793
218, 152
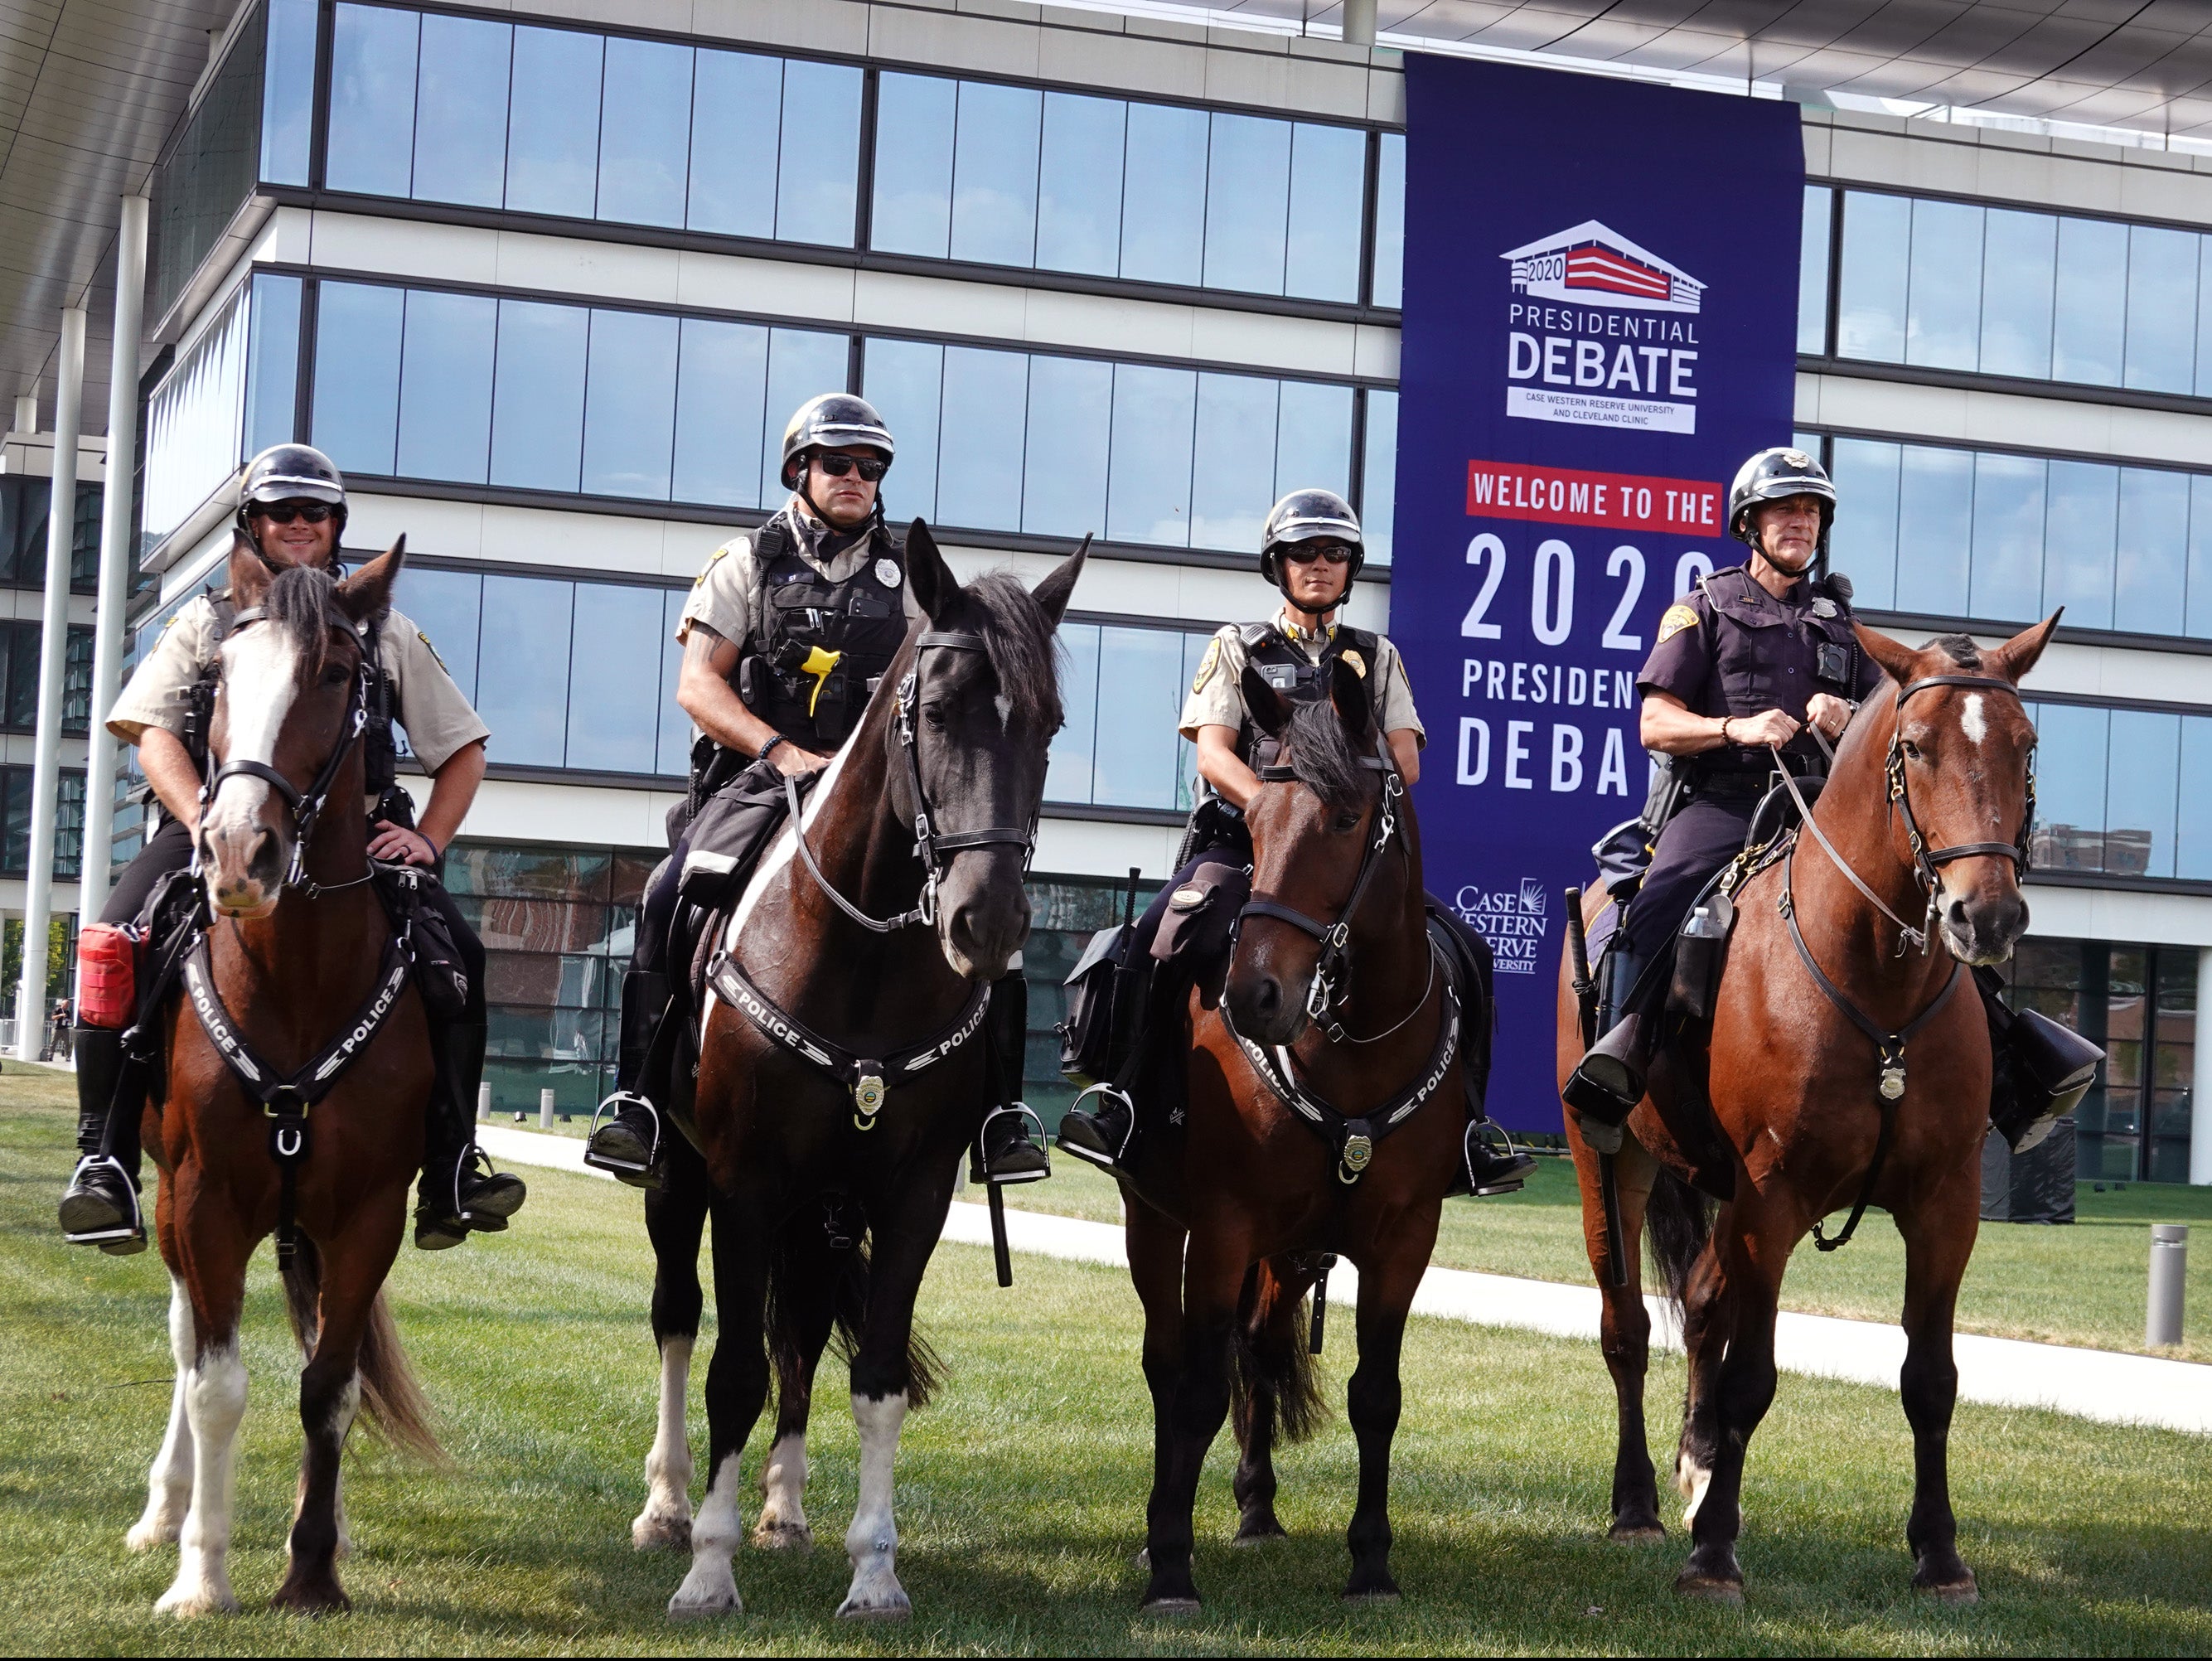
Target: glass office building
547, 286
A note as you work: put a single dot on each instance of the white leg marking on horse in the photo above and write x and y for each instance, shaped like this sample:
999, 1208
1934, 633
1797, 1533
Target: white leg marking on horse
783, 1517
1971, 719
216, 1400
666, 1522
709, 1588
872, 1540
169, 1487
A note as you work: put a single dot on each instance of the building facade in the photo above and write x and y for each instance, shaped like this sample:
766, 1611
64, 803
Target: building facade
546, 286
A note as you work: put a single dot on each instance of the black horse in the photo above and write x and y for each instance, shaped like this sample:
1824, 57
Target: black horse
842, 1070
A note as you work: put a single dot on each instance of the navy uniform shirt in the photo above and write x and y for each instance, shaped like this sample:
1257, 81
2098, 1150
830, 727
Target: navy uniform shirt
1729, 648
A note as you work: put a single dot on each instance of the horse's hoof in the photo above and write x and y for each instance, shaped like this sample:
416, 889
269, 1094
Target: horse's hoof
1960, 1594
184, 1602
146, 1535
1948, 1583
1709, 1588
704, 1608
1260, 1532
784, 1537
895, 1607
1168, 1609
652, 1533
1636, 1534
328, 1599
1378, 1595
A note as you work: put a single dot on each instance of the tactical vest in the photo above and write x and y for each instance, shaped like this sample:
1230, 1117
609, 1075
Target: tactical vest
1742, 663
1284, 666
817, 648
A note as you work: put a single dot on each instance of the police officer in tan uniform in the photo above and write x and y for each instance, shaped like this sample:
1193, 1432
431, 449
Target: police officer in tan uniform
292, 505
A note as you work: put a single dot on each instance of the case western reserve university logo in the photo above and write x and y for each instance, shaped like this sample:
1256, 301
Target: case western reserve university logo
1602, 333
1511, 919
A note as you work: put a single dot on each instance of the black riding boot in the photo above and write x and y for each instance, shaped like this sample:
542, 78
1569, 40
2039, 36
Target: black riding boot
100, 1205
1607, 1083
459, 1190
1485, 1168
1010, 1154
1099, 1135
627, 1143
2041, 1072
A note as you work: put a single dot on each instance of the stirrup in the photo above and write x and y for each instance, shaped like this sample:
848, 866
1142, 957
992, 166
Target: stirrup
1086, 1154
121, 1241
1037, 1144
1520, 1164
624, 1169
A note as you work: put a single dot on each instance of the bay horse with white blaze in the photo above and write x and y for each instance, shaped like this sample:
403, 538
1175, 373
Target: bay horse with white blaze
841, 1065
1306, 1134
293, 965
1849, 1064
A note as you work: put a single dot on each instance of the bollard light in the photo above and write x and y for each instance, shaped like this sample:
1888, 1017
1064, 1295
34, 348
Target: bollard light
2169, 1268
483, 1101
546, 1109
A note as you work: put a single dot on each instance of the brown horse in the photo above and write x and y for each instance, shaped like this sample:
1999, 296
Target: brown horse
1794, 1109
1256, 1186
294, 959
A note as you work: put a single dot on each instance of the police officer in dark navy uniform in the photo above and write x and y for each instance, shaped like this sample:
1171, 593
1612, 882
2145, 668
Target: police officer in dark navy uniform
785, 635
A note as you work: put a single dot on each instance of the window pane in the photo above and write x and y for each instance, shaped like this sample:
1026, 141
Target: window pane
523, 686
1379, 479
2019, 261
1935, 498
272, 361
2069, 786
1813, 270
1312, 438
553, 128
537, 414
1136, 747
1149, 497
1233, 481
1164, 194
2161, 309
287, 92
630, 419
2139, 810
2084, 518
1068, 775
904, 380
913, 208
2203, 318
1247, 210
357, 413
445, 386
801, 364
1329, 178
2193, 819
2153, 537
721, 389
978, 470
446, 606
1390, 221
1870, 311
2090, 305
610, 685
1079, 184
645, 132
818, 175
460, 113
1064, 478
1947, 290
371, 138
1866, 475
737, 121
995, 175
2200, 556
675, 741
2009, 515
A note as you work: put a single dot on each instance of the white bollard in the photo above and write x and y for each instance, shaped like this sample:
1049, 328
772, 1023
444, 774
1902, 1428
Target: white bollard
2169, 1269
546, 1109
483, 1101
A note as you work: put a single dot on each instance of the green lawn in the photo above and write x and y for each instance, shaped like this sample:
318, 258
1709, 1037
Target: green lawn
2083, 1284
1021, 1494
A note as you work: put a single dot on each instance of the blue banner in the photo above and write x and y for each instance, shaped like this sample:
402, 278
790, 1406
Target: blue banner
1601, 308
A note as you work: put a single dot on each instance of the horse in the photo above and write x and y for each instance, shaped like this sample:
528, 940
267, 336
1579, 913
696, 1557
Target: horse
1325, 1109
298, 944
1803, 1102
880, 914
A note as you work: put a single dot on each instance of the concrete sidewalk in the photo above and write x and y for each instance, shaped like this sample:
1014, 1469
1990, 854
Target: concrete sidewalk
2091, 1384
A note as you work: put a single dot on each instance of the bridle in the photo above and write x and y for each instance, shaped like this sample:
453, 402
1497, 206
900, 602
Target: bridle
307, 807
934, 847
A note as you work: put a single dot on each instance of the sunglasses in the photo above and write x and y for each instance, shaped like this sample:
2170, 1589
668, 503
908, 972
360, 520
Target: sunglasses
872, 467
1335, 553
283, 513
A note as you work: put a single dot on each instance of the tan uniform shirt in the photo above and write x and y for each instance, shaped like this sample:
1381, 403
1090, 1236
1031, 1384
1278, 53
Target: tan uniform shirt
1217, 693
439, 718
726, 595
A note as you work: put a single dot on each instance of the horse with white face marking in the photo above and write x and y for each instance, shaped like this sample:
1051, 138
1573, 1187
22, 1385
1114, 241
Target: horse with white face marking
297, 950
857, 938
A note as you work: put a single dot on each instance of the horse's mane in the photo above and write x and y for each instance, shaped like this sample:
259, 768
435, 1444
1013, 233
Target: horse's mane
1320, 753
1020, 638
299, 602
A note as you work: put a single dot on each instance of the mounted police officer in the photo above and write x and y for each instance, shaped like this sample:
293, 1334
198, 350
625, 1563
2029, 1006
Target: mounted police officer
785, 635
1310, 548
292, 508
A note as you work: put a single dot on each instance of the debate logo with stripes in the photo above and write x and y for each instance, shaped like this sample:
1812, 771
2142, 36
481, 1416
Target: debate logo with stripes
1594, 264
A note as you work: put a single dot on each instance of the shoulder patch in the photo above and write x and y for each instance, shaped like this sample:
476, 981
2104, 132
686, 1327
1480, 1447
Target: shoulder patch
1206, 665
706, 570
1678, 618
432, 650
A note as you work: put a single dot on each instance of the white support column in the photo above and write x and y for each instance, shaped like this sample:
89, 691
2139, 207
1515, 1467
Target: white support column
115, 531
53, 650
2200, 1093
1359, 22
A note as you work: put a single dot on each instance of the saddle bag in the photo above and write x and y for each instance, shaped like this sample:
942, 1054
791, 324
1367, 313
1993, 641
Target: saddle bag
1101, 998
1201, 915
725, 836
106, 975
1700, 954
440, 974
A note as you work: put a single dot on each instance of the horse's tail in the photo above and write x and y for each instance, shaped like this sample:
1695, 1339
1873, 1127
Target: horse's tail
1679, 1222
807, 1274
1273, 1389
391, 1397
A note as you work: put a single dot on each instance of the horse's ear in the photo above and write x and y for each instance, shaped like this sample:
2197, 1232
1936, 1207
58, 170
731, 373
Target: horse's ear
2018, 655
366, 594
250, 575
1347, 690
1059, 588
1898, 660
928, 578
1269, 709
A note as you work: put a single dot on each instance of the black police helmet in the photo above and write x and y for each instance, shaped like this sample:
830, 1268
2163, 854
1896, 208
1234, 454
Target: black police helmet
1309, 516
1775, 475
290, 473
832, 421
